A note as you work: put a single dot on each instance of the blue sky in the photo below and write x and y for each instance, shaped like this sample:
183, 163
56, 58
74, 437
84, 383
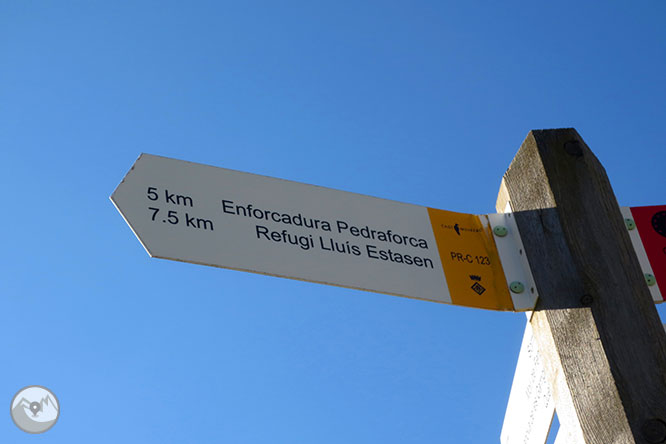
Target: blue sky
421, 102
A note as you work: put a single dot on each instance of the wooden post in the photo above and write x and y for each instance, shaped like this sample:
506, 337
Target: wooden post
596, 326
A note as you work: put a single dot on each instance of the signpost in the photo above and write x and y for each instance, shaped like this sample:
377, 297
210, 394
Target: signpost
596, 269
595, 324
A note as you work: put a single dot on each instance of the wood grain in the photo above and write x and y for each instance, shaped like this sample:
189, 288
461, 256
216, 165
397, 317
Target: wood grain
598, 331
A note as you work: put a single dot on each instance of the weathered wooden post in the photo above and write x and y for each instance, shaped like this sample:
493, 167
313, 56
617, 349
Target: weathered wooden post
598, 332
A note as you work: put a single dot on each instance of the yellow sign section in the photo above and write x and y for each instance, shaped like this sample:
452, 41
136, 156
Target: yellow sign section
470, 260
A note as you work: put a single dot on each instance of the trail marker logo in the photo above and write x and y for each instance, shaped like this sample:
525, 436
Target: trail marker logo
35, 409
457, 228
477, 287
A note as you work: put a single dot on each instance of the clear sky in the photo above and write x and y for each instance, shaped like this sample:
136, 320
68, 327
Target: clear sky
420, 102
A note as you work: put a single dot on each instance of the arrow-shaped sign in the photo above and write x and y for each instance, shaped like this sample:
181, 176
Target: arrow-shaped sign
213, 216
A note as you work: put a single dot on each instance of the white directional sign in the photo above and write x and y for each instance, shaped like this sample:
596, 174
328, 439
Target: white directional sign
564, 436
213, 216
531, 406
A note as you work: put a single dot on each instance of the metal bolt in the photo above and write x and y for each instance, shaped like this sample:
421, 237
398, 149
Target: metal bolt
573, 148
654, 431
586, 300
517, 287
500, 231
630, 224
650, 279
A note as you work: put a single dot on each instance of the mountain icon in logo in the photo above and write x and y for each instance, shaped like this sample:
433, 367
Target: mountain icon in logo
35, 409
